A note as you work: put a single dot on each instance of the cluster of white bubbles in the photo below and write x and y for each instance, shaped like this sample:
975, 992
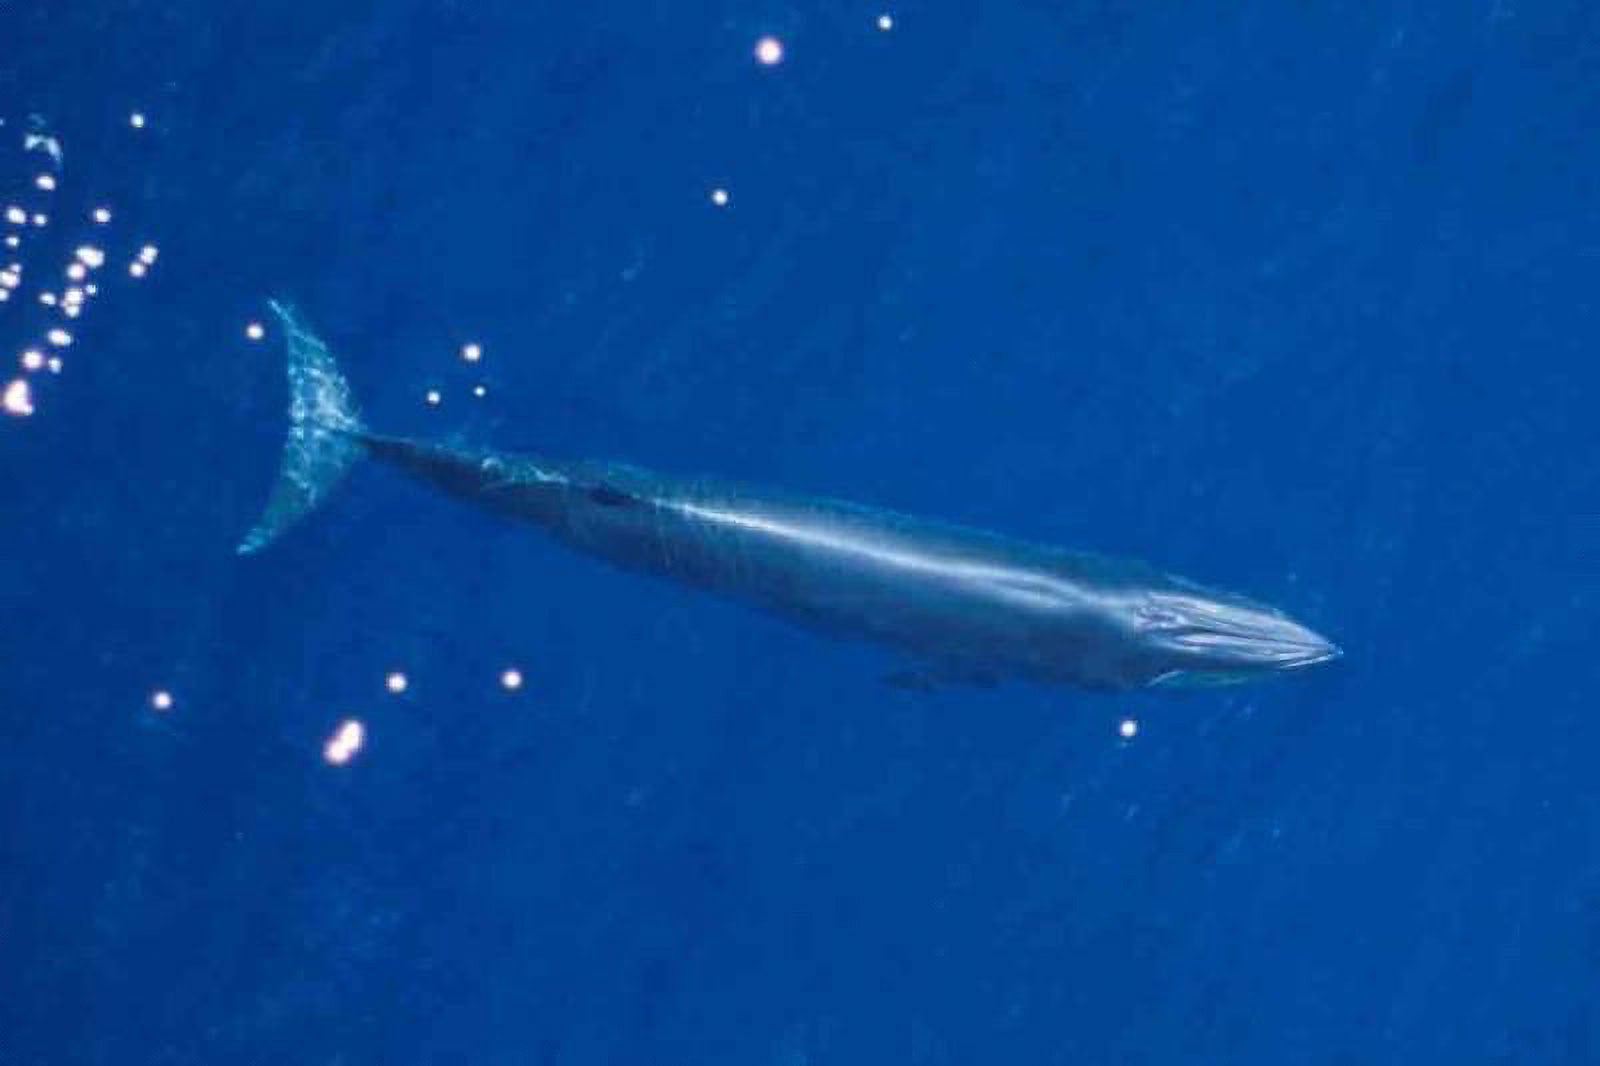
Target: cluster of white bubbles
63, 247
55, 241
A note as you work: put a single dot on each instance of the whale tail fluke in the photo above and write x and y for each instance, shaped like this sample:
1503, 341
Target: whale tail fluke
325, 433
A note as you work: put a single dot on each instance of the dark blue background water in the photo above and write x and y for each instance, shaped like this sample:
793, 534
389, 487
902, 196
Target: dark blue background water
1295, 299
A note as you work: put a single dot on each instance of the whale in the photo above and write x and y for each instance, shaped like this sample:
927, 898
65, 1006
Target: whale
957, 605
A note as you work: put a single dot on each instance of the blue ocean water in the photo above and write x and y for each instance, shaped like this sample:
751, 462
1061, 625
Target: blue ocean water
1293, 299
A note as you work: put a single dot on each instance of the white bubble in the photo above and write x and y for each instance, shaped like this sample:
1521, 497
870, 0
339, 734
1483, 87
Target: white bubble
46, 182
147, 254
471, 352
32, 359
345, 742
91, 288
16, 215
719, 197
47, 298
90, 256
511, 679
396, 682
58, 337
1128, 728
41, 219
13, 241
137, 269
44, 143
76, 271
769, 51
886, 22
54, 363
17, 399
102, 215
432, 397
480, 391
161, 700
255, 331
11, 276
136, 120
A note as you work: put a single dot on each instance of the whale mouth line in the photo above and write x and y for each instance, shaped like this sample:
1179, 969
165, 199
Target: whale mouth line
1264, 650
1288, 660
1315, 656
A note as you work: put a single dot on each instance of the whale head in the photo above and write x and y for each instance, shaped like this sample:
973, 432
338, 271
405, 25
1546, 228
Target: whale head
1194, 637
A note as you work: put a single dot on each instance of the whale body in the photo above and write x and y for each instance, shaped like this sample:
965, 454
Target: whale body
965, 605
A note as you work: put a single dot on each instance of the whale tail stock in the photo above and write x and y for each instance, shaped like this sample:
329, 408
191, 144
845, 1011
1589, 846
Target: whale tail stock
325, 433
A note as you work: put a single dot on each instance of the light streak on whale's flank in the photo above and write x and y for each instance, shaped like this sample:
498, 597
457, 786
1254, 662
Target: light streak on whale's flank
1028, 588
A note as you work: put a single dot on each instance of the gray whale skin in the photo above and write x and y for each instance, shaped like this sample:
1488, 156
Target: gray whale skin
965, 605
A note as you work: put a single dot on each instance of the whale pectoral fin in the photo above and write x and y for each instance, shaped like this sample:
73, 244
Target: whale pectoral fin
929, 676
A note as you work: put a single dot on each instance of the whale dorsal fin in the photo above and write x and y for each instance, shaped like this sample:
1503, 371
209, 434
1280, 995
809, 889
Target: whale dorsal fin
608, 495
